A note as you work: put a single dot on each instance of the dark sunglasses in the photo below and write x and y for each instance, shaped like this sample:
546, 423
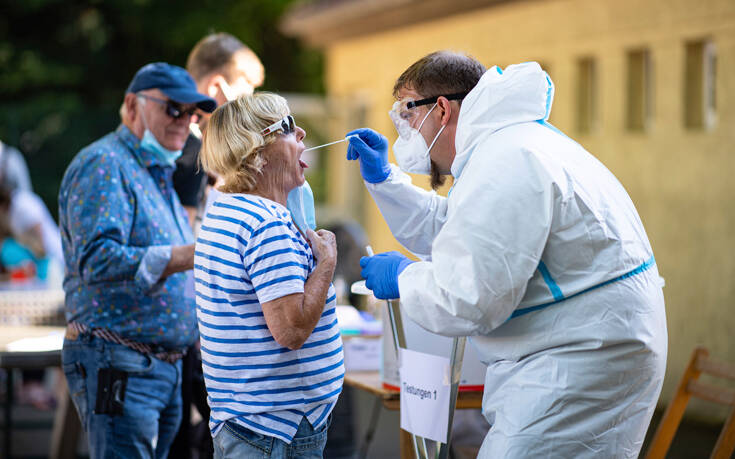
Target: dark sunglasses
173, 109
286, 124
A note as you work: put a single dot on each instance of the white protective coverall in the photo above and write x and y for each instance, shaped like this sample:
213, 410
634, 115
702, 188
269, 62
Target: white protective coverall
539, 255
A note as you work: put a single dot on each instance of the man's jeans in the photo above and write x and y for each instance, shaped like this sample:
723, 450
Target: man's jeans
234, 441
152, 401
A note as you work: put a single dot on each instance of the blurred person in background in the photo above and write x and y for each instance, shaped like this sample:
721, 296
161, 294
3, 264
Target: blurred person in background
26, 234
13, 169
224, 69
32, 235
271, 347
129, 250
30, 251
23, 261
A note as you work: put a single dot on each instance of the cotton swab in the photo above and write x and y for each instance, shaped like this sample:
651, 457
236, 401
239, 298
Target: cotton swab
331, 143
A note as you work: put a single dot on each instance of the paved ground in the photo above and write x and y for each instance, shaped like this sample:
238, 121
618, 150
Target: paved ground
693, 440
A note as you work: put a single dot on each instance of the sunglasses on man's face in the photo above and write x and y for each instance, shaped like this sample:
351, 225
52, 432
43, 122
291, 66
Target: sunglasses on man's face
286, 124
173, 109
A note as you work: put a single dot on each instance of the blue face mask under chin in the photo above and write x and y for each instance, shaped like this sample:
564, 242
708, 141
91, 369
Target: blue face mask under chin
300, 203
150, 144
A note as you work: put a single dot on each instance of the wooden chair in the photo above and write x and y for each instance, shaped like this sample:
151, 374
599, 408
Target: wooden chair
688, 387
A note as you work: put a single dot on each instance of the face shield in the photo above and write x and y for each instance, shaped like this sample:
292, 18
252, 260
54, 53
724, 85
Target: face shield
403, 118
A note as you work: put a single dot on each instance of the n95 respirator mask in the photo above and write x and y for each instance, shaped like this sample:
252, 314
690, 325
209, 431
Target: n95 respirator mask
410, 148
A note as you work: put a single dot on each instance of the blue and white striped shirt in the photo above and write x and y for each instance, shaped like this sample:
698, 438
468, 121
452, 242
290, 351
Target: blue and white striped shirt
249, 252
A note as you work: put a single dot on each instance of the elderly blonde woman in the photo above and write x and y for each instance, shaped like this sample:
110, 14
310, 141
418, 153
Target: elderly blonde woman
271, 350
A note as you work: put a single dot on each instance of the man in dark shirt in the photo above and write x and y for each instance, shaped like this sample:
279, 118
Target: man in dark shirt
190, 182
224, 69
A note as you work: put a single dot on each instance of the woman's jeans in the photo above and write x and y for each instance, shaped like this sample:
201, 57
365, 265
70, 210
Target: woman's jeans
234, 441
140, 395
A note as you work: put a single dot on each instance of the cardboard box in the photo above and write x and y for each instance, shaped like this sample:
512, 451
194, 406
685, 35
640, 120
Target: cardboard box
362, 353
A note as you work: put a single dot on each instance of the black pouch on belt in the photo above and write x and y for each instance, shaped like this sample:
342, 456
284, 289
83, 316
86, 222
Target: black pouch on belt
111, 386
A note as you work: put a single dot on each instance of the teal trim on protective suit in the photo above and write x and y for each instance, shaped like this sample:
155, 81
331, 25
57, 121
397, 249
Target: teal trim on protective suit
548, 97
642, 268
553, 287
552, 127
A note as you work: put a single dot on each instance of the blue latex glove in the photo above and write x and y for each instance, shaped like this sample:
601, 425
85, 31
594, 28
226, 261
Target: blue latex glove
371, 148
381, 273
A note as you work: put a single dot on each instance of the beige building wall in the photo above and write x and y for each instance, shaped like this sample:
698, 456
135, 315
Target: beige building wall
680, 180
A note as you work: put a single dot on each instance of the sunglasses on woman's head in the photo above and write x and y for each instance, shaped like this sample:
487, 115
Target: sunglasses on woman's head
286, 124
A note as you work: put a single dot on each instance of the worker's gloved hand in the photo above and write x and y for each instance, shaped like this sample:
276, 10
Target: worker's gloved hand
371, 148
381, 273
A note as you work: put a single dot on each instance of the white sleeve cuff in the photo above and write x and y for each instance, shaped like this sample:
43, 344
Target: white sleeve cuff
151, 266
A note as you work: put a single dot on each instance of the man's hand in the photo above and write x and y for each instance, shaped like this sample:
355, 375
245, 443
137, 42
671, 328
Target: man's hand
182, 259
381, 273
371, 149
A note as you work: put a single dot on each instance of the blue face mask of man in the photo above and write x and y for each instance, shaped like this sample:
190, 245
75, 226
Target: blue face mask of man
150, 144
300, 203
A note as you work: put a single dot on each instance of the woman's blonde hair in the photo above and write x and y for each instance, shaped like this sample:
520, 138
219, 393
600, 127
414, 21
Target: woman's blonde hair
232, 146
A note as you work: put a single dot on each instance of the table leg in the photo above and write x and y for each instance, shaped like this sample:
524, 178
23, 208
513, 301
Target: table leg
65, 434
406, 445
371, 428
8, 412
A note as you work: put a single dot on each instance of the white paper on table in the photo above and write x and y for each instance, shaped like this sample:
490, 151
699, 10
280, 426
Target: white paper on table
425, 394
51, 342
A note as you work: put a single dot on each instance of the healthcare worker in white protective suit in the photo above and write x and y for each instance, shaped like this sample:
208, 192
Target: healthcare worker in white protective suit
537, 253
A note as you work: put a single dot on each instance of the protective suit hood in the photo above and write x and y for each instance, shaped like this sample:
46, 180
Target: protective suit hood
520, 93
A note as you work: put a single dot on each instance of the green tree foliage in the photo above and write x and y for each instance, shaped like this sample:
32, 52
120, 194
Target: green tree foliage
65, 64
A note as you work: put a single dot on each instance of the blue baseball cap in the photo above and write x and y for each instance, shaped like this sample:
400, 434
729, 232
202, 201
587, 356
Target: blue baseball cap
173, 81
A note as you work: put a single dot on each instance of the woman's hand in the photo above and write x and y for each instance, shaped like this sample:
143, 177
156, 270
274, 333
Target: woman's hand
324, 245
291, 319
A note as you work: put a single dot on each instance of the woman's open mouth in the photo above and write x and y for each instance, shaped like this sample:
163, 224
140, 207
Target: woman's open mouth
303, 164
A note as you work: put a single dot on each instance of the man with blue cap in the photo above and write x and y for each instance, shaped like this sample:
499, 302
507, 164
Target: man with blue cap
128, 250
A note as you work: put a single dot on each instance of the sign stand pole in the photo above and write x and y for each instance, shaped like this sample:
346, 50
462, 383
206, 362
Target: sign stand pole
458, 343
456, 373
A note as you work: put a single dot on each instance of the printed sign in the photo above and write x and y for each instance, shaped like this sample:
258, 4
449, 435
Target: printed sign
425, 393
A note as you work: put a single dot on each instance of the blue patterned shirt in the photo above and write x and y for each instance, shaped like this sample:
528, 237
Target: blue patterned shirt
119, 218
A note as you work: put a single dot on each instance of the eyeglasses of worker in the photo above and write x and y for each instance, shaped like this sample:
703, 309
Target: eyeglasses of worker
404, 109
173, 109
285, 124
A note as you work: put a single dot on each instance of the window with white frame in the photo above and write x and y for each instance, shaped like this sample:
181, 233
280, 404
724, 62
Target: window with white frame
640, 92
586, 95
700, 82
